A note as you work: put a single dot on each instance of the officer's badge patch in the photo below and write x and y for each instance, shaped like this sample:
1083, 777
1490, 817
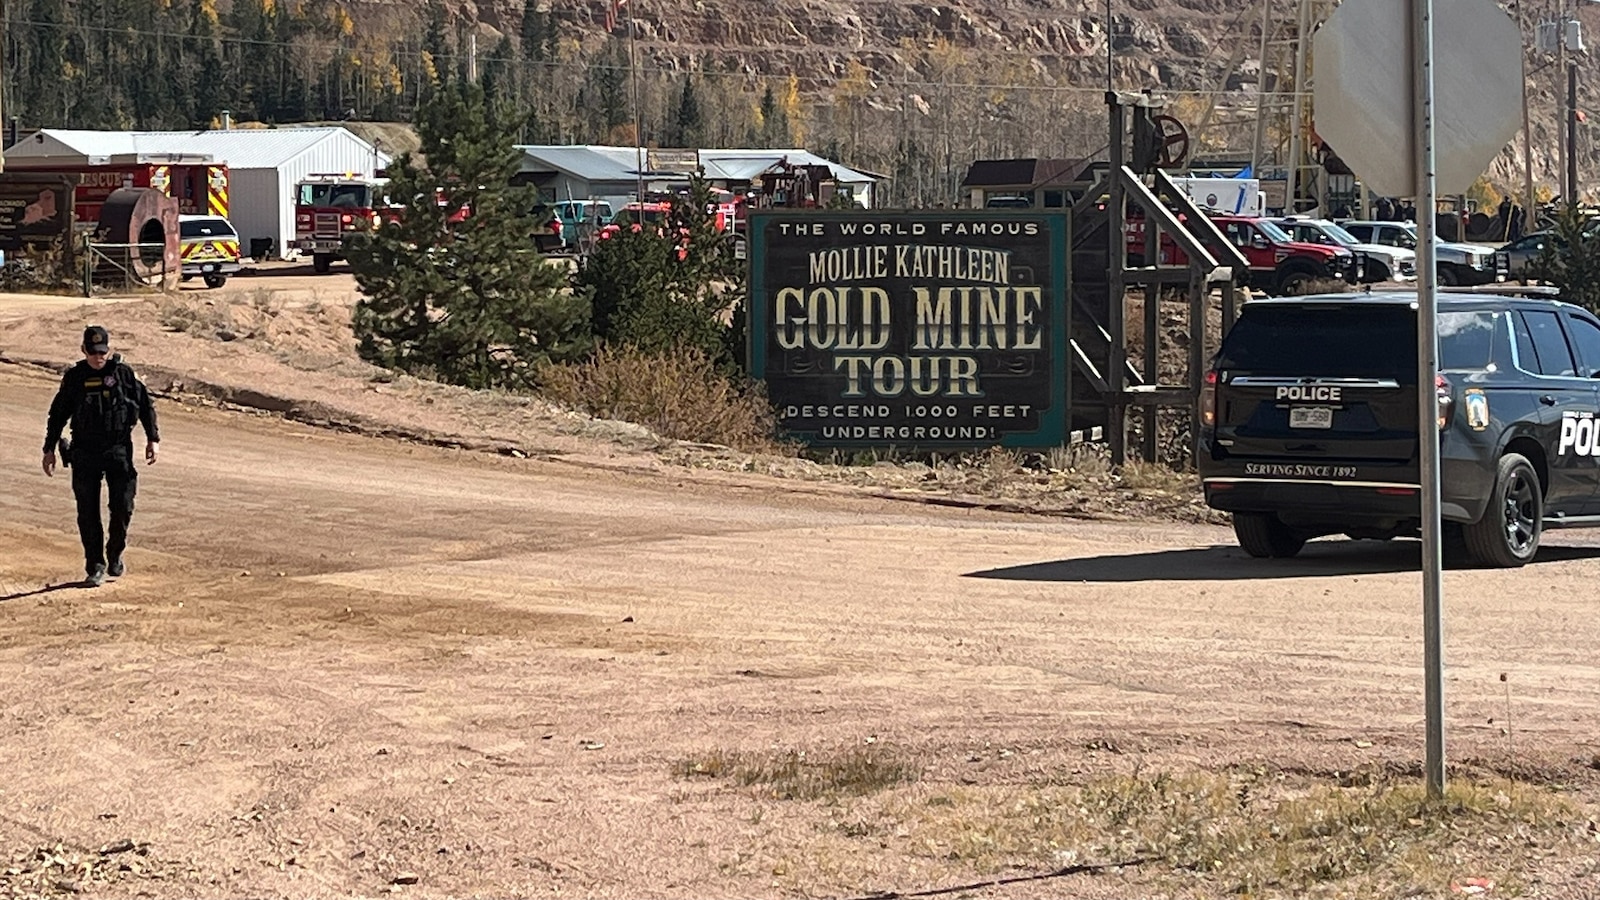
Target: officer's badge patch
1477, 409
111, 381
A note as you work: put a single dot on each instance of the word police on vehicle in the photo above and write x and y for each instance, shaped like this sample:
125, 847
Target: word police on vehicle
1309, 392
1579, 434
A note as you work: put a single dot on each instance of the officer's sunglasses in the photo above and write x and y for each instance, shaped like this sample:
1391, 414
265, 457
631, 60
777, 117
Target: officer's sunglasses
94, 352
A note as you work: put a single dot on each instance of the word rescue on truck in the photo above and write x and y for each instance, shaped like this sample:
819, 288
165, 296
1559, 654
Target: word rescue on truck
1309, 422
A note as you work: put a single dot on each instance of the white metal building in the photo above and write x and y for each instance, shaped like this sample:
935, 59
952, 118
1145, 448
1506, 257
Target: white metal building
264, 164
585, 171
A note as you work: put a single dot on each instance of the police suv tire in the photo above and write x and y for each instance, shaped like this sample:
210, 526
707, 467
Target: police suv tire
1264, 536
1448, 277
1508, 534
216, 281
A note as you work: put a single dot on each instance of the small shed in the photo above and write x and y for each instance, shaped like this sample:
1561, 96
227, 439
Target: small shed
264, 164
1024, 183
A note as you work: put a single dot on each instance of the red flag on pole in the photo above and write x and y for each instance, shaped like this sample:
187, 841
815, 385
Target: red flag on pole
612, 13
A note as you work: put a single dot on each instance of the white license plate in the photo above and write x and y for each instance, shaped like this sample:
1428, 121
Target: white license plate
1311, 417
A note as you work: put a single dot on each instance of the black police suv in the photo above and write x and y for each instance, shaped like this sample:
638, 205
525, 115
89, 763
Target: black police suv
1309, 422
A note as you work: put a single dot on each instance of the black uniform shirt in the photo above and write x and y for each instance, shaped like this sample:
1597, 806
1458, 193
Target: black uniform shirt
102, 407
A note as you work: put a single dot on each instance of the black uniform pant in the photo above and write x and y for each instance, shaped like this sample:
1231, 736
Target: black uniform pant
114, 466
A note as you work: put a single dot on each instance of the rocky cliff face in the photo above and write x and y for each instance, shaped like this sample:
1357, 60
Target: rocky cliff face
1054, 51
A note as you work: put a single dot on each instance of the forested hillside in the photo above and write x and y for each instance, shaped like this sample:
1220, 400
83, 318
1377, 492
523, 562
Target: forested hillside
911, 90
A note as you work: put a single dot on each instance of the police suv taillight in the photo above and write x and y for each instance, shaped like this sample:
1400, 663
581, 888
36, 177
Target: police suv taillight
1208, 400
1447, 406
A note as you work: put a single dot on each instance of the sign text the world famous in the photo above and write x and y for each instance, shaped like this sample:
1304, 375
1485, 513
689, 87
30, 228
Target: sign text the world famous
908, 328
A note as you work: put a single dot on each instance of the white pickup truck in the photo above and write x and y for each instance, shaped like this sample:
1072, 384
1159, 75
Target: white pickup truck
1458, 264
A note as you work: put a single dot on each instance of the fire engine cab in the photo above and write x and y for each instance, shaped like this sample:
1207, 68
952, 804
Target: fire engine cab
328, 209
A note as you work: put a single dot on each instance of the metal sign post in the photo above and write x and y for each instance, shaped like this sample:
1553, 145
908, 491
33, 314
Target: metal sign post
1428, 396
1382, 98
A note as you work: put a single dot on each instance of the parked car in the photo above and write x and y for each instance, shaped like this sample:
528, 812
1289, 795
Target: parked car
1512, 260
1278, 263
1382, 263
1456, 264
209, 249
1309, 422
582, 219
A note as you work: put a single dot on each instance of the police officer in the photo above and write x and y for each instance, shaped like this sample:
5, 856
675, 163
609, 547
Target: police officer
102, 399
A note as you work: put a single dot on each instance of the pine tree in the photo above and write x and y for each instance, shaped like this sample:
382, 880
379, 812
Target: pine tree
667, 287
1571, 259
688, 123
467, 302
774, 121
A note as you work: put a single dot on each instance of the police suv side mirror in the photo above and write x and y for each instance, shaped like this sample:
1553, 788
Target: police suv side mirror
1258, 241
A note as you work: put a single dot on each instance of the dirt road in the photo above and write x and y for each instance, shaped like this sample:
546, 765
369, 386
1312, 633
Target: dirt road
338, 662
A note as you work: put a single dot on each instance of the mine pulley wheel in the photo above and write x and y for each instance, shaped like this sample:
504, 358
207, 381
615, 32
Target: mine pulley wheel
1172, 141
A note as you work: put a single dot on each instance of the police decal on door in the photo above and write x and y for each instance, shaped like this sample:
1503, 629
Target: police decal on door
1578, 434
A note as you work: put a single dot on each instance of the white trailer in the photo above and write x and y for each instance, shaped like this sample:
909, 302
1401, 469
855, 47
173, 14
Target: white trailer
1236, 196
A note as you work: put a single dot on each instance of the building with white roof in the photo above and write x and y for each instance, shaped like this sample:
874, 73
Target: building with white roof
264, 164
584, 171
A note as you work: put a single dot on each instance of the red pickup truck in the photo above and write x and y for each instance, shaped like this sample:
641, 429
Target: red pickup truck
1278, 263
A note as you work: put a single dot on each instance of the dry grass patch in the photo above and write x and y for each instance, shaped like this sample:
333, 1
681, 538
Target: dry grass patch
1257, 834
1156, 478
805, 775
678, 394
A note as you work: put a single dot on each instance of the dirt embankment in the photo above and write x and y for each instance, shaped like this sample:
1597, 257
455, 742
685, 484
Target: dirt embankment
279, 343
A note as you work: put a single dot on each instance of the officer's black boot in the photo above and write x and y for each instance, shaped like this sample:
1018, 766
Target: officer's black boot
96, 575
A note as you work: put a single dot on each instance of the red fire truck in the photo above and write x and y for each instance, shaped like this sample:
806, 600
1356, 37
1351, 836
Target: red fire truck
328, 209
200, 187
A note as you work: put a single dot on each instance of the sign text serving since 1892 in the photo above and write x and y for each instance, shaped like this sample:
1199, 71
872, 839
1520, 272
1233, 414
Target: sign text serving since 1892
911, 328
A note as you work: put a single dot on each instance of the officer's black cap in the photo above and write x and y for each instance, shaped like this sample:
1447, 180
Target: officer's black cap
96, 340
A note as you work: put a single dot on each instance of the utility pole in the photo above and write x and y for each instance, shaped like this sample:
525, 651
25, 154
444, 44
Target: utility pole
638, 120
1561, 68
1261, 92
3, 32
1527, 129
1302, 45
1572, 134
1108, 48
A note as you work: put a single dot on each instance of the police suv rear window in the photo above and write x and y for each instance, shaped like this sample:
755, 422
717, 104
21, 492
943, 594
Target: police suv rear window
1357, 342
1370, 341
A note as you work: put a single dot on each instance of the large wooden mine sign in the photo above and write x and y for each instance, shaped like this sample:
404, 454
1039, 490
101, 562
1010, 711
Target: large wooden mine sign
917, 329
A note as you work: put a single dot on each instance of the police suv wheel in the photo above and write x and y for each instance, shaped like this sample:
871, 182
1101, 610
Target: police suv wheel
1508, 534
216, 281
1264, 536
